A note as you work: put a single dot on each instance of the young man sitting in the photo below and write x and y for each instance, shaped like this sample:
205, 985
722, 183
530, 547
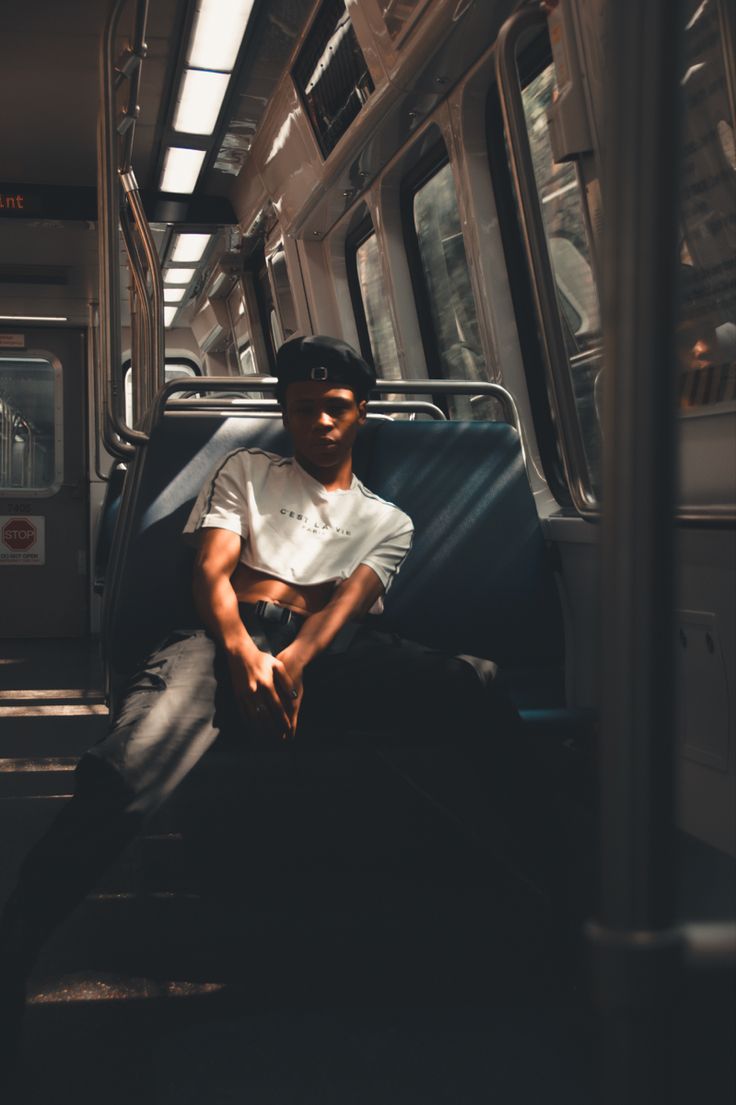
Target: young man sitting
292, 558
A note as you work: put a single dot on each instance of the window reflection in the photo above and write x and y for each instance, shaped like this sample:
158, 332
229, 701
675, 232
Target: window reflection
706, 337
570, 259
447, 280
377, 316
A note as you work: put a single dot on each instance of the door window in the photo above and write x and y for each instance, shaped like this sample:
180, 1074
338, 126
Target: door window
30, 425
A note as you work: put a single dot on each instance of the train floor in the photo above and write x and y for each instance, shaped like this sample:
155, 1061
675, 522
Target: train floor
333, 940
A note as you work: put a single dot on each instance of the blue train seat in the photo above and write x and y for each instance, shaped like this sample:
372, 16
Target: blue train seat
477, 580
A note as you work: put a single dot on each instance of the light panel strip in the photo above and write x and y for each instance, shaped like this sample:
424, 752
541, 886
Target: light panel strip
181, 169
190, 247
173, 295
34, 318
169, 313
219, 26
178, 276
200, 99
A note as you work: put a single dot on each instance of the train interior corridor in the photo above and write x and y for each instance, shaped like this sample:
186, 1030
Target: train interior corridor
259, 956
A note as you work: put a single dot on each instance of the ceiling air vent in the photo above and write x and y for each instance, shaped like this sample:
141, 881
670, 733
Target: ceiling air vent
332, 75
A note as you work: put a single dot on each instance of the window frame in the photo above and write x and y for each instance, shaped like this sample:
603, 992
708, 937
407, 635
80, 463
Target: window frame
526, 43
354, 240
433, 161
260, 280
436, 158
171, 360
528, 323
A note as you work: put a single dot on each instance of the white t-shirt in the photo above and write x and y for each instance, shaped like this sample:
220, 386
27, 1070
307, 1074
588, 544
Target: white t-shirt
295, 530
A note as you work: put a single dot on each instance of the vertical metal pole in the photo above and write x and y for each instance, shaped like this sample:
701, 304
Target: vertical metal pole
636, 953
108, 192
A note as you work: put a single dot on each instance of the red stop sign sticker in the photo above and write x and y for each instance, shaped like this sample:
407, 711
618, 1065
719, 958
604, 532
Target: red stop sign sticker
19, 534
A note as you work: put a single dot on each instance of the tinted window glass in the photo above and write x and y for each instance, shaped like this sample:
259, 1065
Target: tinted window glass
447, 281
377, 315
282, 291
247, 361
707, 331
30, 423
570, 259
172, 371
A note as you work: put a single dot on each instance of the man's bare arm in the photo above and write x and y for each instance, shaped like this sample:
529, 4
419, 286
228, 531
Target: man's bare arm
351, 599
262, 685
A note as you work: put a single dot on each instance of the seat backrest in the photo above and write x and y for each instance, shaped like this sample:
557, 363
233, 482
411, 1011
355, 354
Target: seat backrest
476, 581
478, 578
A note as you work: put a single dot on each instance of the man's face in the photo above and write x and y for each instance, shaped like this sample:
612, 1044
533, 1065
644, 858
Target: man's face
323, 421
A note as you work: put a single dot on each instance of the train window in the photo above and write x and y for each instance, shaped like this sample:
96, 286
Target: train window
332, 75
30, 424
172, 371
372, 314
706, 338
247, 361
269, 323
563, 218
442, 284
284, 301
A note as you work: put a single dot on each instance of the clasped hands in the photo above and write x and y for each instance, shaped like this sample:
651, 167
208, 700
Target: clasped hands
268, 690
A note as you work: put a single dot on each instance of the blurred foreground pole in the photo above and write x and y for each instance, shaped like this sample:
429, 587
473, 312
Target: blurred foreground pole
635, 950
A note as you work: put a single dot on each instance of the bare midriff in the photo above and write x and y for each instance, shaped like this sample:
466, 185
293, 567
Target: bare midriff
252, 586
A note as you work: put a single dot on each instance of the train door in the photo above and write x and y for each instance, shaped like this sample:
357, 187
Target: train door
43, 484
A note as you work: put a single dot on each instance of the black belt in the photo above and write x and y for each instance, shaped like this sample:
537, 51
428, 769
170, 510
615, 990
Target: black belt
272, 612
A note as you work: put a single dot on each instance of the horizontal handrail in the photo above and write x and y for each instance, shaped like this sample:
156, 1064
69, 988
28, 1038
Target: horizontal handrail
400, 387
709, 944
375, 406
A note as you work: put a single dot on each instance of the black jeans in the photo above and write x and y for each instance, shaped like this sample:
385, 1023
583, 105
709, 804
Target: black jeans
179, 703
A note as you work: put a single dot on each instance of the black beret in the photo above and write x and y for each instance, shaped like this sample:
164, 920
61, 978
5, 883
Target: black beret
324, 359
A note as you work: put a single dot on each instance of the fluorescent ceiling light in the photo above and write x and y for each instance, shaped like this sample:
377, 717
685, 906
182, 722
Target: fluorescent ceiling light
173, 295
219, 26
179, 276
190, 247
200, 99
34, 318
169, 313
181, 169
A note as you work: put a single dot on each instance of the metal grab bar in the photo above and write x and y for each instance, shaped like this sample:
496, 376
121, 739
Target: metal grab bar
402, 387
151, 370
7, 417
637, 952
113, 162
140, 318
270, 406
